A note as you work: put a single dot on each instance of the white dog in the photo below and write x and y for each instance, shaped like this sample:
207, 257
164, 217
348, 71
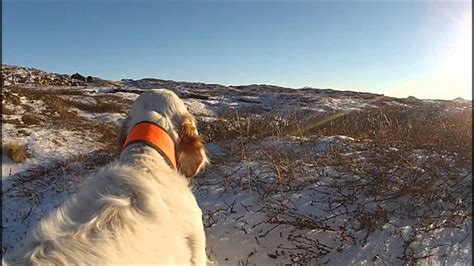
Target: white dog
138, 210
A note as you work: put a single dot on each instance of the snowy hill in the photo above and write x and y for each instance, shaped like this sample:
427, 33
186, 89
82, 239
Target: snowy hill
313, 176
12, 75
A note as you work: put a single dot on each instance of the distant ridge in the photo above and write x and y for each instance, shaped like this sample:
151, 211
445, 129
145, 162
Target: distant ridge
14, 75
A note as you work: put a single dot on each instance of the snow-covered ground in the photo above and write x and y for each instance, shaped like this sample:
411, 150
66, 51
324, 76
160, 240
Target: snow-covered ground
294, 177
253, 216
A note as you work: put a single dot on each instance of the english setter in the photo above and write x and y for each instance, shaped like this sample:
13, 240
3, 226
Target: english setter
137, 210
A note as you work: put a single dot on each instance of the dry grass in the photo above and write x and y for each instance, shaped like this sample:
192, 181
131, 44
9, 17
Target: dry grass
56, 108
393, 181
9, 97
234, 127
418, 127
386, 186
55, 177
102, 104
59, 114
30, 119
15, 151
7, 110
107, 134
55, 103
405, 163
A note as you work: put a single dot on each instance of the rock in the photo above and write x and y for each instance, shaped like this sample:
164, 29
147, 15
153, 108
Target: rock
78, 77
273, 256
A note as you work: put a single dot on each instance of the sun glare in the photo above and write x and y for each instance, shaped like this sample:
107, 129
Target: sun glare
458, 63
453, 76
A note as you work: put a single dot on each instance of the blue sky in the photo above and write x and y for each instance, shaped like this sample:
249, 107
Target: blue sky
398, 49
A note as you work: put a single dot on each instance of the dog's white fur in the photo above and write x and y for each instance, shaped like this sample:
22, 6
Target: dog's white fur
134, 211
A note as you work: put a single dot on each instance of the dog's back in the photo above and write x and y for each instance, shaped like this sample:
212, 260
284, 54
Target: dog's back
119, 216
137, 210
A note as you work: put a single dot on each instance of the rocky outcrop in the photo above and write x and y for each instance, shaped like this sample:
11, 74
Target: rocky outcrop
78, 77
14, 75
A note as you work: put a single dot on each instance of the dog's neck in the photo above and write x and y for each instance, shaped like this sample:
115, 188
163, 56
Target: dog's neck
143, 156
143, 148
156, 137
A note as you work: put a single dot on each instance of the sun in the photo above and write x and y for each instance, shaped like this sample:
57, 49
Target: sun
452, 76
459, 57
456, 67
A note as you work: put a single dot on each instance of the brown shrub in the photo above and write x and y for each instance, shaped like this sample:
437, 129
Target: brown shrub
99, 107
56, 107
29, 119
8, 96
417, 127
15, 151
107, 134
234, 127
7, 111
102, 104
420, 127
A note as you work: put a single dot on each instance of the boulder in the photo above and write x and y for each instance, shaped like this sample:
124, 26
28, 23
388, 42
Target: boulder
78, 77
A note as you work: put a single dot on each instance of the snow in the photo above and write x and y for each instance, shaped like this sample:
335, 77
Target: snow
105, 117
199, 107
239, 230
47, 145
262, 205
9, 167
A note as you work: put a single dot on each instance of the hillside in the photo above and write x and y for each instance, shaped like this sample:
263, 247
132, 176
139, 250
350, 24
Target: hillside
305, 176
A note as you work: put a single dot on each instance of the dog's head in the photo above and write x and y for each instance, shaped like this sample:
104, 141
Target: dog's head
165, 108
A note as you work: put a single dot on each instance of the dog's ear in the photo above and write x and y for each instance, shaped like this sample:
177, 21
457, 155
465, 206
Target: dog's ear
121, 136
191, 153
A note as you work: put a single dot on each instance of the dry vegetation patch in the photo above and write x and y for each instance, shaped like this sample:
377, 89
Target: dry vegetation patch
401, 166
401, 163
101, 104
9, 97
15, 151
51, 180
30, 119
417, 127
59, 111
7, 111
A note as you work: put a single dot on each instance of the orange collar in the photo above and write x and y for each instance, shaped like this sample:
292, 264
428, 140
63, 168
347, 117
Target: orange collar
154, 136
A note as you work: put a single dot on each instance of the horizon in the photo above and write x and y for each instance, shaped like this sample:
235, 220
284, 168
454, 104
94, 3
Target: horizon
234, 85
365, 47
